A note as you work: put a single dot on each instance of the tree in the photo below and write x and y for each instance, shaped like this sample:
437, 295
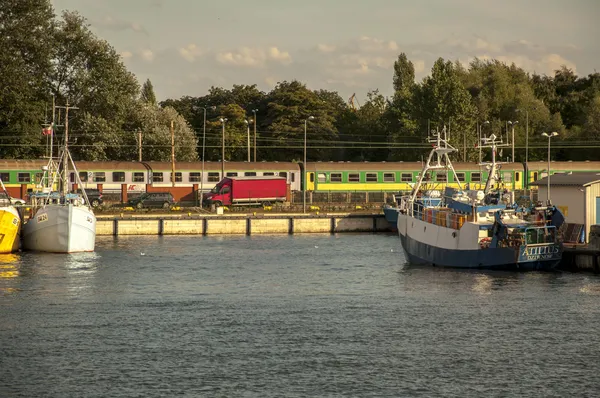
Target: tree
148, 95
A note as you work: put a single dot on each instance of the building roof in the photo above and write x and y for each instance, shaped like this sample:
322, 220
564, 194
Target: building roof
569, 179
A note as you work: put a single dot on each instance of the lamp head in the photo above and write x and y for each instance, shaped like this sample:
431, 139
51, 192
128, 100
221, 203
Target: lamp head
311, 118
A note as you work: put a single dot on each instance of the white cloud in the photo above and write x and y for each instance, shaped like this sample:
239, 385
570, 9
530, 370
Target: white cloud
190, 52
253, 57
147, 55
116, 24
126, 54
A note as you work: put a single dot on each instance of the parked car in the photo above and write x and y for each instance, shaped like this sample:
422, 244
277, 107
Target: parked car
153, 199
94, 196
17, 201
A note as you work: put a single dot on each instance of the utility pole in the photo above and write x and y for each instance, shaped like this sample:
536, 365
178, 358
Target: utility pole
254, 111
465, 146
139, 146
172, 155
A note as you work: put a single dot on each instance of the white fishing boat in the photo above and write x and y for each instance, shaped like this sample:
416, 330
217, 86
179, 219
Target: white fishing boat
60, 222
475, 228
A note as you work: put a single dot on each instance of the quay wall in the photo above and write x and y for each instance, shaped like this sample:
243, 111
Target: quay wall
240, 225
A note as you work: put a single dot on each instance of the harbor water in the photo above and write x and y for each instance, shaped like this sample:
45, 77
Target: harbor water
288, 316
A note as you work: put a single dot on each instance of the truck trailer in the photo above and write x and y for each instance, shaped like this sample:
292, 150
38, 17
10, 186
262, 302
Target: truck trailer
231, 191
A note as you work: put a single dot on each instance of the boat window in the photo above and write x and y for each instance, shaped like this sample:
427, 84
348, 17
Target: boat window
460, 177
232, 174
157, 176
407, 177
100, 176
24, 177
475, 177
353, 177
322, 177
372, 177
5, 177
83, 176
441, 177
213, 177
250, 174
268, 173
336, 177
178, 176
389, 177
283, 174
137, 176
195, 176
118, 176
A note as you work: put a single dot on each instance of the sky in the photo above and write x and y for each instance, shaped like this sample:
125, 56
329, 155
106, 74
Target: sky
186, 46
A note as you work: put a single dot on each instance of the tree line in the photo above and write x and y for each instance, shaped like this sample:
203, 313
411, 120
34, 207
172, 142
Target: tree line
63, 59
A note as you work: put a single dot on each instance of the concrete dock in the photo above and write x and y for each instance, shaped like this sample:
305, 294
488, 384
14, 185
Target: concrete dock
192, 224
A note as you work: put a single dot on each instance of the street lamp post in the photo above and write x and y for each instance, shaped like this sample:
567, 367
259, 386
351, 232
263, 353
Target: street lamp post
552, 134
254, 112
513, 137
304, 166
223, 120
248, 127
203, 146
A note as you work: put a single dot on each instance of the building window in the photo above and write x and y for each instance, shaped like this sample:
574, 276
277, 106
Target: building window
353, 177
460, 177
475, 177
118, 176
336, 177
5, 177
232, 174
372, 177
157, 176
178, 176
195, 176
24, 177
250, 174
213, 177
322, 177
441, 177
283, 174
99, 176
407, 177
137, 176
389, 177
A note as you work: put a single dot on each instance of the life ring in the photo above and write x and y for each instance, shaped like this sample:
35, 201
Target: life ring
485, 243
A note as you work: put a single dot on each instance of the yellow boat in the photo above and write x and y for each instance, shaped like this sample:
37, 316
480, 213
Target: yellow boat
10, 229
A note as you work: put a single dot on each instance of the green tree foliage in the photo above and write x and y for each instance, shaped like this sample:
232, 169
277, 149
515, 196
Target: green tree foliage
147, 94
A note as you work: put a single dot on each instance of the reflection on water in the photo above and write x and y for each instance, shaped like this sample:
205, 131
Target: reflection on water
9, 266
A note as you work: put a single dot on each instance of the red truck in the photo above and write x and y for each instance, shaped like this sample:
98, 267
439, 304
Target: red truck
247, 191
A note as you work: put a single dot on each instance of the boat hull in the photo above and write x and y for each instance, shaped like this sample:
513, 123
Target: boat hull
391, 215
10, 230
61, 229
426, 251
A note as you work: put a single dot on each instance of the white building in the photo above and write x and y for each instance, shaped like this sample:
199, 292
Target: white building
577, 195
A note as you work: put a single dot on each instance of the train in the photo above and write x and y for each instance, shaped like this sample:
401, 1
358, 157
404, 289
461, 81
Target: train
22, 176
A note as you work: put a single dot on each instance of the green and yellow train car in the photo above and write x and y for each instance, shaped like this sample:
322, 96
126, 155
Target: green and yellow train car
21, 176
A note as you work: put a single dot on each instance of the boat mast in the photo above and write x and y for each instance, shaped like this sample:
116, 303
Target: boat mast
65, 153
491, 143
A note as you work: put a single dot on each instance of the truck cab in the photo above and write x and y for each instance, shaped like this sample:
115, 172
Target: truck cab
220, 195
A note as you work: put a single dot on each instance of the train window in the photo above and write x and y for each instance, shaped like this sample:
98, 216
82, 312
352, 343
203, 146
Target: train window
535, 176
118, 176
83, 176
507, 176
517, 176
372, 177
195, 176
407, 177
475, 177
293, 176
322, 177
137, 176
460, 177
71, 177
178, 176
157, 176
441, 177
213, 177
23, 177
99, 176
353, 177
250, 174
389, 177
5, 177
232, 174
268, 173
312, 177
336, 177
284, 174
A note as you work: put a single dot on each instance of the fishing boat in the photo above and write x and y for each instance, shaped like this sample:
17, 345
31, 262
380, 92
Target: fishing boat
475, 228
10, 223
60, 222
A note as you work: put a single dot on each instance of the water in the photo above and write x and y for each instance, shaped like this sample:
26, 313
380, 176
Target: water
274, 316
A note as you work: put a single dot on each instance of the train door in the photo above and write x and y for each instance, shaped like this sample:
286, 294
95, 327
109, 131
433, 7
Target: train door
310, 186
